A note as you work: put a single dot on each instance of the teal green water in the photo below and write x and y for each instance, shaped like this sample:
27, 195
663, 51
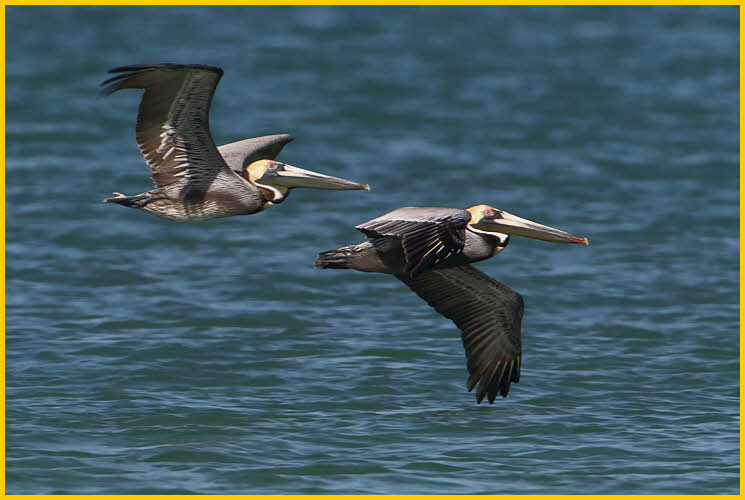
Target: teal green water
144, 356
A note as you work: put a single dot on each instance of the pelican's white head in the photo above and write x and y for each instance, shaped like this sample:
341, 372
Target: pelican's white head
495, 221
275, 180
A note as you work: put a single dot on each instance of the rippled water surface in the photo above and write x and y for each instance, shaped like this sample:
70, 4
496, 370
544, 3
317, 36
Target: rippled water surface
145, 356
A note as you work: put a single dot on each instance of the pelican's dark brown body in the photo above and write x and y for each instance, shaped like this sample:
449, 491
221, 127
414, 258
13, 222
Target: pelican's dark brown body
386, 255
436, 237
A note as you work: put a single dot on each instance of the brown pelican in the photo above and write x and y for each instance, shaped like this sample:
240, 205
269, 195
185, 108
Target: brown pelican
194, 179
430, 250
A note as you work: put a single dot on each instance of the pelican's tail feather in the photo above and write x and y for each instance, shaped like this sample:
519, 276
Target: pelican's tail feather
136, 201
337, 259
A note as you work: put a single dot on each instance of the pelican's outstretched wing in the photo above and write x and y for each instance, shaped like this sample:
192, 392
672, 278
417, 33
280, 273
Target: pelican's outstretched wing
428, 234
488, 314
173, 130
238, 155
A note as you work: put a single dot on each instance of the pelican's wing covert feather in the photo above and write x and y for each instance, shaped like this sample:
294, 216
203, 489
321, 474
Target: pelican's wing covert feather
428, 234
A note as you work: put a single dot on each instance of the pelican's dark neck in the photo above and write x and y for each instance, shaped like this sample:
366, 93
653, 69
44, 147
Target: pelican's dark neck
269, 193
489, 244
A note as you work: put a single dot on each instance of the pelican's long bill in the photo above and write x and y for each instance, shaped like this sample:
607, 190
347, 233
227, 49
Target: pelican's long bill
504, 222
293, 177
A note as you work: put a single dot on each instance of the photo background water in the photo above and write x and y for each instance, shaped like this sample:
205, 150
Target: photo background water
145, 356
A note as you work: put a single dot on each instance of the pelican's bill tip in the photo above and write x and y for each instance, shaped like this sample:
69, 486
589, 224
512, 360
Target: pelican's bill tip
582, 240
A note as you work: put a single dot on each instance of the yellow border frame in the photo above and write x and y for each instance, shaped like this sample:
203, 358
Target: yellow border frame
354, 2
363, 2
2, 245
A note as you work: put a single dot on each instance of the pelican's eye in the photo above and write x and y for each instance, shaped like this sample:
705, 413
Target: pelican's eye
275, 166
492, 213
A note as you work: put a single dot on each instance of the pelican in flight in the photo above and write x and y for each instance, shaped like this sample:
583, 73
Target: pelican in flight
430, 250
194, 179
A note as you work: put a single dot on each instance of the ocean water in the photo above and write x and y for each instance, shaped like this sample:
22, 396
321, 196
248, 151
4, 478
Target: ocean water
146, 356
